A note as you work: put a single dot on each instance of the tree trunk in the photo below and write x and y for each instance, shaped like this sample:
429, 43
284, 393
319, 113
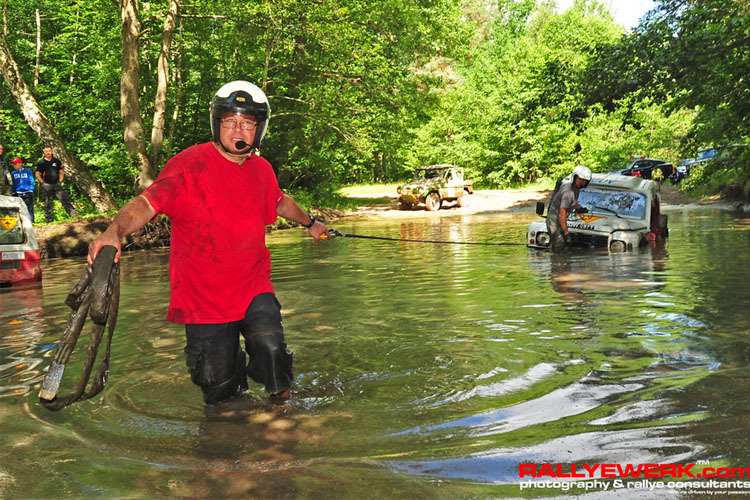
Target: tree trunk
76, 170
160, 101
75, 54
130, 108
38, 48
178, 95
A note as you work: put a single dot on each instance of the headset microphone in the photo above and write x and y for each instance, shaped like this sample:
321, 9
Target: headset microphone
240, 145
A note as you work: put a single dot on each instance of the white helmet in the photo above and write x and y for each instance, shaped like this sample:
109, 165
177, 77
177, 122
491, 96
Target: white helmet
243, 97
582, 172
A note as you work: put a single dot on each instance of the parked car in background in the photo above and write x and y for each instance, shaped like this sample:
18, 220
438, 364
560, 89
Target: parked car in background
19, 250
704, 155
681, 171
684, 166
723, 156
644, 167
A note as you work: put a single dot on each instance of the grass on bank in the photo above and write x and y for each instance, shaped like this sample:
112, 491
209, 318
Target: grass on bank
370, 190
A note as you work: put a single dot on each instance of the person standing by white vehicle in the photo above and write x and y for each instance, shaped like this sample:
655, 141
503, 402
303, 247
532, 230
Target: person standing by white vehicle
563, 200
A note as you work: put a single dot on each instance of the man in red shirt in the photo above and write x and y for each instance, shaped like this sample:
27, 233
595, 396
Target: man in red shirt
220, 196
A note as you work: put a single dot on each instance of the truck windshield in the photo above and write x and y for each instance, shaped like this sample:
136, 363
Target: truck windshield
623, 203
431, 174
11, 227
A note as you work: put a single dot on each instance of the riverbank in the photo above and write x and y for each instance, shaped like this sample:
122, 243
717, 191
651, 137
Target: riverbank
71, 238
511, 200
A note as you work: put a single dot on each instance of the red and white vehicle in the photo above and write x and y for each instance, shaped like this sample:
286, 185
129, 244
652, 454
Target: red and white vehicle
19, 250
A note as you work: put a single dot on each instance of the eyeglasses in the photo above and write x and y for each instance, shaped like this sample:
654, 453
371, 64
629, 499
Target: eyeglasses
244, 124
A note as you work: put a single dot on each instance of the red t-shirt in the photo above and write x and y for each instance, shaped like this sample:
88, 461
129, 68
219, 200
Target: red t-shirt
218, 260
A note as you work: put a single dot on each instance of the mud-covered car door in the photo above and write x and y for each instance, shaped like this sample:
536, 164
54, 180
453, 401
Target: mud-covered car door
450, 183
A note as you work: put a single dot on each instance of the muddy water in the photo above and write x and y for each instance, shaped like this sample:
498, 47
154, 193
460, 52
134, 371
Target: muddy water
422, 370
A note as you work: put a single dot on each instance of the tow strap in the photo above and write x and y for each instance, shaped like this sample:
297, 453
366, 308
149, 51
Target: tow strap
336, 232
97, 293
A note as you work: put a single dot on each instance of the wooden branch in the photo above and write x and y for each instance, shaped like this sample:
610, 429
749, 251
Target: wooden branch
338, 76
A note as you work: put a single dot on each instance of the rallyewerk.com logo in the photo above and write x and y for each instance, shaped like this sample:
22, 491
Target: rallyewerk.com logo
641, 476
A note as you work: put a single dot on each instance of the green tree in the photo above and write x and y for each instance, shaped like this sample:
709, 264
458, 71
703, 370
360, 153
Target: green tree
519, 112
688, 55
46, 130
346, 79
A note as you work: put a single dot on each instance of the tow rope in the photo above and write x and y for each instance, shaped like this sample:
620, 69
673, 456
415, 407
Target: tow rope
97, 293
336, 232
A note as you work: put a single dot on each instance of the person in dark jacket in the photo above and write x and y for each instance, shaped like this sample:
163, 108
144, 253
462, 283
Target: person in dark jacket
50, 174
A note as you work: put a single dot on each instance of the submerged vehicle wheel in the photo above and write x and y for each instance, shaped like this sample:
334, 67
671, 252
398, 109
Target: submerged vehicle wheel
433, 202
617, 246
663, 225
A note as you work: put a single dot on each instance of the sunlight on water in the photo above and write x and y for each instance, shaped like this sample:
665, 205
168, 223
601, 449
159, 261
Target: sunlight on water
422, 370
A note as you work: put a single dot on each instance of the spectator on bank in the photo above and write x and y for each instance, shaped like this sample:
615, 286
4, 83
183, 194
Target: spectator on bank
50, 174
23, 185
657, 175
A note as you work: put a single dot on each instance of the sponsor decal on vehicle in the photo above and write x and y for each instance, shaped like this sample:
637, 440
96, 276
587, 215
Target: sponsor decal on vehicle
8, 222
590, 218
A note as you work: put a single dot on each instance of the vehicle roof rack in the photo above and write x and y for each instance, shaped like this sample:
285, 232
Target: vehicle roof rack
437, 167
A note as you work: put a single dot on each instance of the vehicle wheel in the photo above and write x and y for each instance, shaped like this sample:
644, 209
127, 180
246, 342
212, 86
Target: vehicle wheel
617, 246
464, 200
402, 205
663, 225
433, 202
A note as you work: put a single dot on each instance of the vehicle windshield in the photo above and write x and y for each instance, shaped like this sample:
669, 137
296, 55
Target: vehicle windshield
622, 164
11, 227
706, 153
431, 174
623, 203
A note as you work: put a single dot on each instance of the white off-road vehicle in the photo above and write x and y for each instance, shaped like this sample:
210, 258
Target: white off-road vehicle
19, 250
623, 213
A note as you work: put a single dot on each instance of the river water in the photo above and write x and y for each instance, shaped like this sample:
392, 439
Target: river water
422, 370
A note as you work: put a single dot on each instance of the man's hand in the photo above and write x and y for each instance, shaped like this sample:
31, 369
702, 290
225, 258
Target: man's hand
319, 231
568, 239
106, 238
289, 209
133, 216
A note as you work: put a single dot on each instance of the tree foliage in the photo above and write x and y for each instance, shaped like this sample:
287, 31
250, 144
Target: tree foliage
686, 55
367, 90
519, 113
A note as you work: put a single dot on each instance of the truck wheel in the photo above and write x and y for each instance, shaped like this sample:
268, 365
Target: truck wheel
433, 202
464, 200
663, 225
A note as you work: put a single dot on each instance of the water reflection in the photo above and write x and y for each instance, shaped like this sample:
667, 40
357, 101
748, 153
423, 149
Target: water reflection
21, 330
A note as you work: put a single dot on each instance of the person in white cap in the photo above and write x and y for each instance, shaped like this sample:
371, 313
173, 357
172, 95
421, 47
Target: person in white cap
563, 201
